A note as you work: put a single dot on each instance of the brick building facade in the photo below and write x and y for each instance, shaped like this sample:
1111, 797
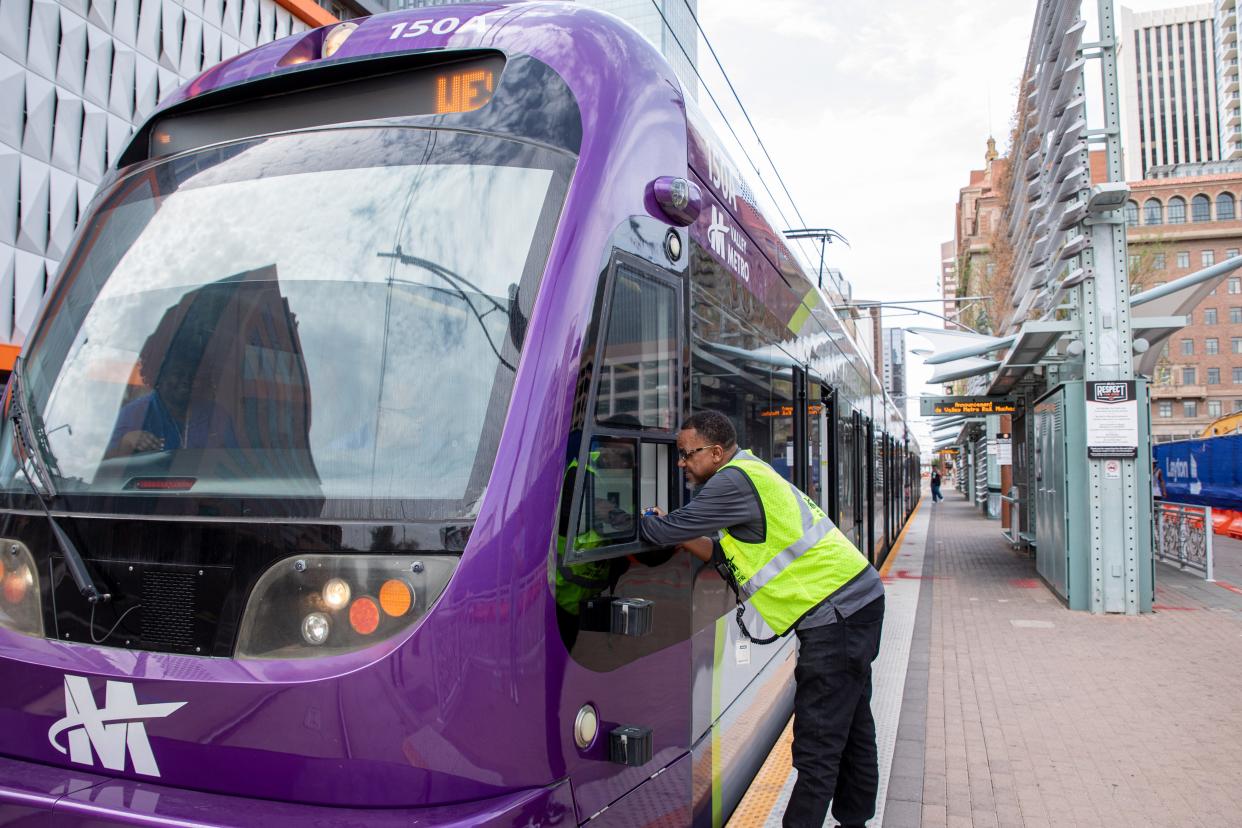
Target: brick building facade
1177, 226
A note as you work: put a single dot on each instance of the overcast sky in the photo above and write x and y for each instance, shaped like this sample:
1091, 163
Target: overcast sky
875, 113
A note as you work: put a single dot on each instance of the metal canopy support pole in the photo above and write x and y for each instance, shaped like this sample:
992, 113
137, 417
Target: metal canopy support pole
1104, 313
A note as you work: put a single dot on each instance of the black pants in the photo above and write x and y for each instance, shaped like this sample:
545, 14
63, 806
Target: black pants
834, 747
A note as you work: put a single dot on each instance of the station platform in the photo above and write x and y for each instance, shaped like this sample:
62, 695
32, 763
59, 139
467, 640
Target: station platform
997, 706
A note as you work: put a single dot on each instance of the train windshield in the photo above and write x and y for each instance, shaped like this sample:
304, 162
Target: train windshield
334, 316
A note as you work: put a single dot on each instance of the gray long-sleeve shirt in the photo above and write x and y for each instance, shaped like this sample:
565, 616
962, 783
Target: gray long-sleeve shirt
728, 500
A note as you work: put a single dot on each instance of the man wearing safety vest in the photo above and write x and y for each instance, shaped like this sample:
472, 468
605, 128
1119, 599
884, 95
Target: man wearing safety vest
799, 572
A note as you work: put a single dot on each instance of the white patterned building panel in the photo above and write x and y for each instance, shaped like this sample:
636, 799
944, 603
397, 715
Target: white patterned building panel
76, 77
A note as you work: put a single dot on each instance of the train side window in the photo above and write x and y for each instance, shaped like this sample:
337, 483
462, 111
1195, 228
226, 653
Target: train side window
639, 363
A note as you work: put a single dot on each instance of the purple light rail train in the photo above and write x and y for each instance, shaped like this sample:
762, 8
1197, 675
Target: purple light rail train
323, 463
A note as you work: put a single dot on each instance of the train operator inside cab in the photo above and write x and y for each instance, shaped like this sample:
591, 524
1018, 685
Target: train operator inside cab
799, 572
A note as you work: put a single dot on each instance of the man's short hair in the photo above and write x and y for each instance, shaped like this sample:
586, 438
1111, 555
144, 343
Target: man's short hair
713, 426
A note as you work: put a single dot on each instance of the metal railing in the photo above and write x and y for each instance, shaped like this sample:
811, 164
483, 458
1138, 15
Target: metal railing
1014, 538
1183, 536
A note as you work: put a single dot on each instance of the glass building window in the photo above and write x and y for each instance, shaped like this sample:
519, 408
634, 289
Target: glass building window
1200, 208
1214, 408
1188, 347
1183, 258
1211, 346
1208, 257
1157, 261
1132, 214
1213, 376
1225, 207
1188, 375
1235, 284
1209, 316
1153, 212
1166, 408
1235, 344
1190, 408
1237, 406
1231, 252
1235, 316
1177, 210
1237, 376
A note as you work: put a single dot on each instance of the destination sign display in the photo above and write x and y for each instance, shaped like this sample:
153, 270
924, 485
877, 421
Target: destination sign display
931, 406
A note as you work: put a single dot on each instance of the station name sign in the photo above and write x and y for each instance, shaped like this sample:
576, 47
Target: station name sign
931, 406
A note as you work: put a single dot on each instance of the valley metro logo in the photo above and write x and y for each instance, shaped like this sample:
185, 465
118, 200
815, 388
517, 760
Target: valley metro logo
114, 730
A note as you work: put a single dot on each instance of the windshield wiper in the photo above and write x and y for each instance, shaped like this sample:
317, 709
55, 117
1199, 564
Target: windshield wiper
30, 447
456, 281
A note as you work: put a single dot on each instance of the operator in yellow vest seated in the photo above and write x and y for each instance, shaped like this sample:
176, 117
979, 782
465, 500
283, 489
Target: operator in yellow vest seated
799, 572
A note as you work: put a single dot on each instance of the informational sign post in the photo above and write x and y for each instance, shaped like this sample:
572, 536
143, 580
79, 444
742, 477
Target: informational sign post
1112, 419
1004, 449
932, 406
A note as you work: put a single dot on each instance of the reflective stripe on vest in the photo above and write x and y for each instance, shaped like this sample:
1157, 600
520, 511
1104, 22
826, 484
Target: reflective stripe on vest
802, 560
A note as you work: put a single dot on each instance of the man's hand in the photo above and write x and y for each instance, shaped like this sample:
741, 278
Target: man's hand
700, 548
138, 442
653, 511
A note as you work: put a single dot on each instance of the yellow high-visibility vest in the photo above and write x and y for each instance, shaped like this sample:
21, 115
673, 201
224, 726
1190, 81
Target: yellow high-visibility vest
804, 557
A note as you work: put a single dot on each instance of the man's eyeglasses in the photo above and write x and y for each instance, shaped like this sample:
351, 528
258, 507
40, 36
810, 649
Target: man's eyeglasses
683, 455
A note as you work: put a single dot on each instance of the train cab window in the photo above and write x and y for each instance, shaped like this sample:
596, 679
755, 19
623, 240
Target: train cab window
608, 514
640, 358
629, 458
654, 485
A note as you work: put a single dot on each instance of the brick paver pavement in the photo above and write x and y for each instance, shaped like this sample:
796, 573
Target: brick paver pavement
1039, 716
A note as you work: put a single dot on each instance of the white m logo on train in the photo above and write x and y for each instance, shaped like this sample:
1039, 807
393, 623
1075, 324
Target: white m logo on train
110, 731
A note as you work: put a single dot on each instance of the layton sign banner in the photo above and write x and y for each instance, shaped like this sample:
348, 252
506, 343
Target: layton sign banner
1112, 419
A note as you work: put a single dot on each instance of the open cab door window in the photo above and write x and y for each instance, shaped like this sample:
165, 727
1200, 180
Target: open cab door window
626, 465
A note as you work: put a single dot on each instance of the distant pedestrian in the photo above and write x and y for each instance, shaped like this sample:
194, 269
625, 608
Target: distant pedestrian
935, 481
1158, 490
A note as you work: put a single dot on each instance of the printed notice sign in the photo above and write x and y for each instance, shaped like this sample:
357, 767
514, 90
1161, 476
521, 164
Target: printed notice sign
1112, 419
1004, 449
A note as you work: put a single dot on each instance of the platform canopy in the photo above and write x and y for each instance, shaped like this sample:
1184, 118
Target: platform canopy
1158, 313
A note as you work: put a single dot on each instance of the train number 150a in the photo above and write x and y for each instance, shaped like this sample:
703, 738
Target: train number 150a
443, 26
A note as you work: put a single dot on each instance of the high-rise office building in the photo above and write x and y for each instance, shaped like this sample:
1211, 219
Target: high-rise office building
1227, 78
895, 364
1168, 73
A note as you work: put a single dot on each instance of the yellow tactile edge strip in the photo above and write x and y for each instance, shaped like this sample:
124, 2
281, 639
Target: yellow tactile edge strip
763, 792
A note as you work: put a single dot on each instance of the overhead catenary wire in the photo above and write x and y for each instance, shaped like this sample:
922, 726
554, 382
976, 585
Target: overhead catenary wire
745, 113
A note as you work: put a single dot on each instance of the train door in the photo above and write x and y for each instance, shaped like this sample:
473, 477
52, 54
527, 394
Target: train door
887, 490
825, 449
866, 479
624, 609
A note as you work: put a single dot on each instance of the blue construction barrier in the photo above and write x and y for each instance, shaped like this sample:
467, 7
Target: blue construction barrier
1207, 472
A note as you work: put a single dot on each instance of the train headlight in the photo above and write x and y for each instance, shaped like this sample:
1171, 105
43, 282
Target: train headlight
314, 605
336, 38
336, 593
20, 609
315, 628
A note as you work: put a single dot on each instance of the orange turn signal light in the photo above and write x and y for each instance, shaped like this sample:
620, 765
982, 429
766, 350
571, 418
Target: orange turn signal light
395, 597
